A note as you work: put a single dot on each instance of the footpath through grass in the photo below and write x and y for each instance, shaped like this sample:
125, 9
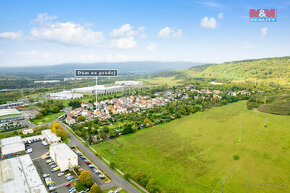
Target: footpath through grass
193, 153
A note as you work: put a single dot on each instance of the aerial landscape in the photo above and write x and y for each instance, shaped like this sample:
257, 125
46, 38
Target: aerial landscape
145, 96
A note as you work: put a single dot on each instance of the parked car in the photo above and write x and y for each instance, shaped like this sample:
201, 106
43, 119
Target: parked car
48, 161
68, 184
83, 157
101, 176
29, 150
97, 171
55, 169
72, 189
67, 175
53, 165
45, 175
60, 174
88, 162
51, 188
70, 177
47, 157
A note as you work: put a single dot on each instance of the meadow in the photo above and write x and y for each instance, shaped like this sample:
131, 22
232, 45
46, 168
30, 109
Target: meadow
170, 81
47, 118
192, 154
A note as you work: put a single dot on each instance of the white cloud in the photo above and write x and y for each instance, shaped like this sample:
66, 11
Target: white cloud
124, 42
264, 31
151, 47
177, 34
43, 17
248, 45
126, 30
208, 23
67, 33
11, 35
220, 16
164, 33
34, 53
169, 33
211, 4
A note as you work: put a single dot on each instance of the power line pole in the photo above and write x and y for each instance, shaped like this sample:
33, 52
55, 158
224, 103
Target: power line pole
96, 93
240, 138
223, 181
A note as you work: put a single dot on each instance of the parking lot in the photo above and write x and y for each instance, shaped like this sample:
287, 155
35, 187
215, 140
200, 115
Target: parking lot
85, 166
39, 151
38, 156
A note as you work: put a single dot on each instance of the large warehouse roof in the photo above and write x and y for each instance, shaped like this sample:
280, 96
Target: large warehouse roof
62, 151
11, 142
8, 112
12, 145
19, 175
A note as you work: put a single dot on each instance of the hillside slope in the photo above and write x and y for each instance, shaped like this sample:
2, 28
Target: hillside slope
274, 70
191, 154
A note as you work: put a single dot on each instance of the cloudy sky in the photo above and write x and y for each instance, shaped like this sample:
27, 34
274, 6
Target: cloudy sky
53, 32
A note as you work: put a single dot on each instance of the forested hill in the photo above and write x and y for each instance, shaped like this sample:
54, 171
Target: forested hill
274, 70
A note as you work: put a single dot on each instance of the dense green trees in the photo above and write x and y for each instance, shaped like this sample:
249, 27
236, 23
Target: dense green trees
95, 189
86, 178
76, 103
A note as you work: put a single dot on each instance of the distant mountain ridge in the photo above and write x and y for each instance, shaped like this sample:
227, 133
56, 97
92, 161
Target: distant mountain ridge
124, 67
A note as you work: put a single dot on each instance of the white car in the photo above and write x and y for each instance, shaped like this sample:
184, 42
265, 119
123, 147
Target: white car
45, 175
60, 174
67, 175
29, 150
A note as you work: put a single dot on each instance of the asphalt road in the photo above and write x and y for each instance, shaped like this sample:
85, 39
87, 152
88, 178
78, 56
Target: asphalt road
116, 180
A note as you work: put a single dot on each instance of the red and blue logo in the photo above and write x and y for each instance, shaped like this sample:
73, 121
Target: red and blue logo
263, 15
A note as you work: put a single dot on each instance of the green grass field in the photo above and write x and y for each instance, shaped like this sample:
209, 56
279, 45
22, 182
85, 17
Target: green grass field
47, 118
170, 81
193, 153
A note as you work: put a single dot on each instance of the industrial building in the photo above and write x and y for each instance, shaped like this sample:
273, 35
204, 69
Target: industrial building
33, 138
11, 146
63, 156
50, 137
19, 175
9, 115
11, 105
101, 89
46, 81
129, 83
64, 95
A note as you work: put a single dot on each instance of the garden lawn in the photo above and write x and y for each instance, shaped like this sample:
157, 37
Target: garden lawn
47, 118
193, 153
